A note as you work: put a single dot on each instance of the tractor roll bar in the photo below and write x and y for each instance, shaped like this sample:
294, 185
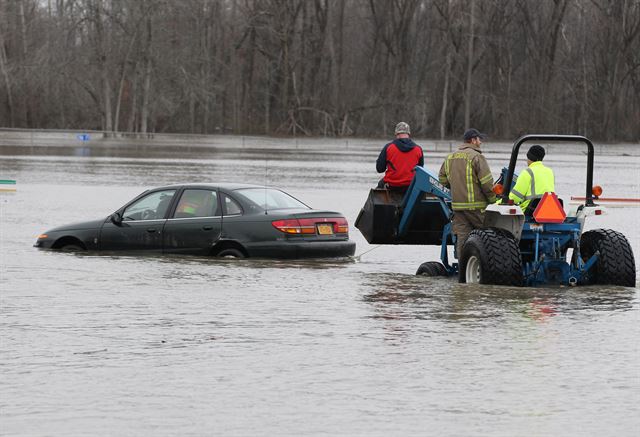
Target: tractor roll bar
551, 138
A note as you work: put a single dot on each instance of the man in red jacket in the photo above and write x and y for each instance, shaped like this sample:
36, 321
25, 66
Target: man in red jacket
398, 160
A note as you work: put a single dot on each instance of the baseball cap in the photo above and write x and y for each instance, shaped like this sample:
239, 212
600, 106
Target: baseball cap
473, 133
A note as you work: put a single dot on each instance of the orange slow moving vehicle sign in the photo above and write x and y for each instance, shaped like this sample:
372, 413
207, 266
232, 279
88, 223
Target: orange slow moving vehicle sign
549, 210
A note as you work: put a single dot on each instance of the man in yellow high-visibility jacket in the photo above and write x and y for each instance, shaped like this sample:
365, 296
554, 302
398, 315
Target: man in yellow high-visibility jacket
534, 181
468, 175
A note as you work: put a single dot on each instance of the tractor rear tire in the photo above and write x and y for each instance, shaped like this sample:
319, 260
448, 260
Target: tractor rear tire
615, 265
491, 256
432, 268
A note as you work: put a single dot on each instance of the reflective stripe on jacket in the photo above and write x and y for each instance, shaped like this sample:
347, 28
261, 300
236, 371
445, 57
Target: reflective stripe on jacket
468, 175
532, 183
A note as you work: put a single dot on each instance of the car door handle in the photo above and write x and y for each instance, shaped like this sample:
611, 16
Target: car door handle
207, 228
151, 230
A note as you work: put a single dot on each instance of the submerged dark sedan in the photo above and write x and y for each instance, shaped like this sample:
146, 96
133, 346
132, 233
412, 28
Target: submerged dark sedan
225, 220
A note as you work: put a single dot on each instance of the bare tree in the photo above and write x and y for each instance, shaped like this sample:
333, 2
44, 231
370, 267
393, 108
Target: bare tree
323, 67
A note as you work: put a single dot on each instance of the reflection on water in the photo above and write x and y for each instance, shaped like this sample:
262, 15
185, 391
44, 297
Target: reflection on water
180, 261
168, 345
446, 299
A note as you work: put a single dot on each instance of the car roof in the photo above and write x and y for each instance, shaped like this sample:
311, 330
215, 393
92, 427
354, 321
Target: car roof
230, 186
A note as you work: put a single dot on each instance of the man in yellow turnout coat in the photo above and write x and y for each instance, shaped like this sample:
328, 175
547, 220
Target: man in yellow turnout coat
534, 181
468, 175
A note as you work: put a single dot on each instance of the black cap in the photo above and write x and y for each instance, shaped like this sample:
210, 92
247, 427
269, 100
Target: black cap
536, 153
469, 134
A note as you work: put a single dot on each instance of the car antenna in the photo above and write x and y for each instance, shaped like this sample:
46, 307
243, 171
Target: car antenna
266, 173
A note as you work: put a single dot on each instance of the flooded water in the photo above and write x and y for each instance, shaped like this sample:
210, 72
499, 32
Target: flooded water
121, 345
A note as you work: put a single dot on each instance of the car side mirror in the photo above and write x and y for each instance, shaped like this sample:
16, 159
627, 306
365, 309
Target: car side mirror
116, 218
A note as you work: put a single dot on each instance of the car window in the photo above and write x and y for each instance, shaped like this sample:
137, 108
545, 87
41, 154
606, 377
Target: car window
269, 198
153, 206
231, 206
197, 203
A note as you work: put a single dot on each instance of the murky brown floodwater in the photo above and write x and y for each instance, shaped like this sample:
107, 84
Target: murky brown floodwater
118, 345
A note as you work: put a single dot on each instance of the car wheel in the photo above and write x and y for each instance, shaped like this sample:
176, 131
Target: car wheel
71, 248
231, 253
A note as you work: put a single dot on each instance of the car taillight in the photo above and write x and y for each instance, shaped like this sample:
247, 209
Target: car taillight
307, 226
341, 226
294, 226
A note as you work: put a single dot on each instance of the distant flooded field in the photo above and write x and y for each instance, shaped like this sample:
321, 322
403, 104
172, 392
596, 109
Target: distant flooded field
123, 345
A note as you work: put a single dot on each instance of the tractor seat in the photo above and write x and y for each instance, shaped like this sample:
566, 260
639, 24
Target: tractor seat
534, 204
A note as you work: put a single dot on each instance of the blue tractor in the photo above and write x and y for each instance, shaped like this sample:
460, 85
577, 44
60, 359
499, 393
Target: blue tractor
512, 248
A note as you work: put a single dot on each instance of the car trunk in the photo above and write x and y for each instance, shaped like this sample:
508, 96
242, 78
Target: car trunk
313, 225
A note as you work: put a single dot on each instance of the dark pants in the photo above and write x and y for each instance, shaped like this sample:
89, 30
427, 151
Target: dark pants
383, 184
463, 223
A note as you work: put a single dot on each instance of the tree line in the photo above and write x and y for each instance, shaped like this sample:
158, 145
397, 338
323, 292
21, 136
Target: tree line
323, 67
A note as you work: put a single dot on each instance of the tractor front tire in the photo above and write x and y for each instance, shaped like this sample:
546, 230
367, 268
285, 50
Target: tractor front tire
432, 268
615, 265
491, 256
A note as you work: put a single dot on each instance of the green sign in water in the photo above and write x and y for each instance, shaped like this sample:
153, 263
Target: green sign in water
4, 182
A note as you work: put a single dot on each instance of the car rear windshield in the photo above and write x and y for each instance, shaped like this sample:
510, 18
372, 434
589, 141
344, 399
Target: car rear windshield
269, 198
